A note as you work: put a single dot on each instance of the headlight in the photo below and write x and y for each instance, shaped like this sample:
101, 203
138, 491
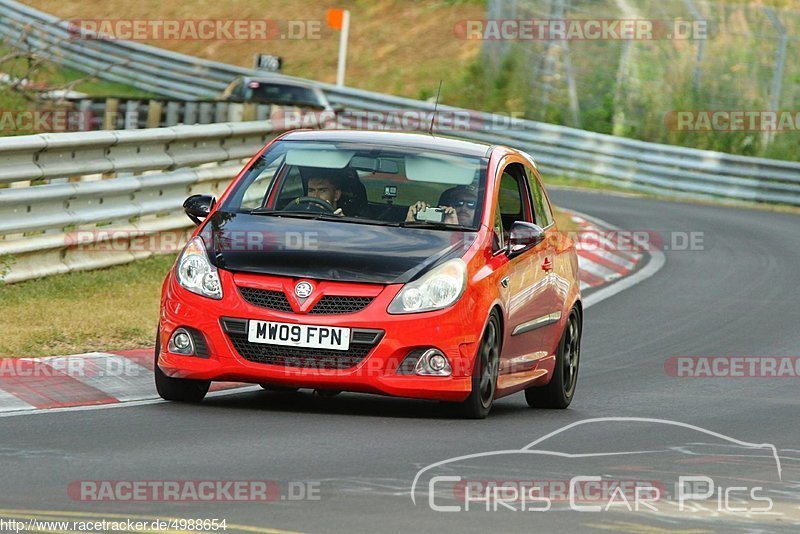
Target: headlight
196, 273
438, 289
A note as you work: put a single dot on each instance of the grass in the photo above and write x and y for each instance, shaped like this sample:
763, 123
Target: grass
56, 76
395, 46
106, 309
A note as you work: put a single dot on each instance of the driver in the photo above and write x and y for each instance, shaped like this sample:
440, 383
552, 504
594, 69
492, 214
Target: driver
327, 189
458, 203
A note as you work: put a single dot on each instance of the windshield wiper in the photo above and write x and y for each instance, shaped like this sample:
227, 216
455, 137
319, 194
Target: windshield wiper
281, 213
320, 216
433, 225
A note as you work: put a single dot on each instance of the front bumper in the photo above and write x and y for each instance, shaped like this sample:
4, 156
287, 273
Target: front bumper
451, 331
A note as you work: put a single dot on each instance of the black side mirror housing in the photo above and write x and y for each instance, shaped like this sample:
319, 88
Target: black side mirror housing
197, 207
523, 236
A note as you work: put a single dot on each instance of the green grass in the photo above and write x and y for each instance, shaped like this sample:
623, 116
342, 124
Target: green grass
53, 77
107, 309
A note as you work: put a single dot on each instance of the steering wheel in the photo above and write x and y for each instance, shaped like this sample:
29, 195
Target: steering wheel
313, 204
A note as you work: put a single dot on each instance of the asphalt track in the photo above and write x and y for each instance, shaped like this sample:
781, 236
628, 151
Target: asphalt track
738, 296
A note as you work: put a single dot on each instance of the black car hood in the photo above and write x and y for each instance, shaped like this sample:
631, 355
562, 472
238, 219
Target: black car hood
328, 250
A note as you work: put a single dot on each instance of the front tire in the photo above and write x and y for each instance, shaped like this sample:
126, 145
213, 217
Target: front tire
559, 392
484, 373
178, 389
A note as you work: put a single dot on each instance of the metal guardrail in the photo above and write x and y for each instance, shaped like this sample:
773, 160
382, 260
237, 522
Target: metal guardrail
558, 150
100, 113
94, 194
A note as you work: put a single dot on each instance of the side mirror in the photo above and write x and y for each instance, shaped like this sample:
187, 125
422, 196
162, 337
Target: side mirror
197, 207
523, 235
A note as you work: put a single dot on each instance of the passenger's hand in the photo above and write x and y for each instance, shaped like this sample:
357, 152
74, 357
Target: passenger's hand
450, 215
339, 212
415, 208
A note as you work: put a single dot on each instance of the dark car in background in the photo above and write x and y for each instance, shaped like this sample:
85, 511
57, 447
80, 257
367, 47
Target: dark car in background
276, 92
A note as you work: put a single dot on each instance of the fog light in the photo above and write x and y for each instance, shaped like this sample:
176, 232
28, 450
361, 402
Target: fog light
425, 362
181, 343
437, 362
433, 363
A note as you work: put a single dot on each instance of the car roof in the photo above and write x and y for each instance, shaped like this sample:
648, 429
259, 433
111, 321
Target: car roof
394, 138
278, 81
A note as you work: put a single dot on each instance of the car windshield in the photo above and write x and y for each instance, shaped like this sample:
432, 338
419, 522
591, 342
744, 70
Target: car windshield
274, 93
368, 184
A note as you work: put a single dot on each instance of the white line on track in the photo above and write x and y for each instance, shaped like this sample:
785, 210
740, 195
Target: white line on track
657, 261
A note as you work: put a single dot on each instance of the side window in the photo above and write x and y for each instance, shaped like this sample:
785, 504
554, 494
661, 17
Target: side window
238, 90
292, 188
256, 192
543, 213
509, 199
234, 90
511, 205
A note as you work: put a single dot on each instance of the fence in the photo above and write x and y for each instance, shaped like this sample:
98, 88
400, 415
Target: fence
52, 162
703, 54
98, 187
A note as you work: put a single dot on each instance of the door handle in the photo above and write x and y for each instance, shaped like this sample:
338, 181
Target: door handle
547, 264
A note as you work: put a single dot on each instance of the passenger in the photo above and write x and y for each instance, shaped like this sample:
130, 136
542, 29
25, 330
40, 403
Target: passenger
458, 203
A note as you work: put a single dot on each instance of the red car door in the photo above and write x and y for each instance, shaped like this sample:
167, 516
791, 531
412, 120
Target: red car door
531, 303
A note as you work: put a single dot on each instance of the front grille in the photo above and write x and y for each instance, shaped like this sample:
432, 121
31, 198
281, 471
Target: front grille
327, 305
274, 300
362, 341
330, 304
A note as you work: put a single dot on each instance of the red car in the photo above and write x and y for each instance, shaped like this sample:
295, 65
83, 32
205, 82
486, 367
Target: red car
380, 262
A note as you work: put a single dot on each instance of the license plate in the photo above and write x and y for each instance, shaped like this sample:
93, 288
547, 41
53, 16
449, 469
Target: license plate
299, 335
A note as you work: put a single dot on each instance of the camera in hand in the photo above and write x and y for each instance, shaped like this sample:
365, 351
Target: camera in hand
430, 214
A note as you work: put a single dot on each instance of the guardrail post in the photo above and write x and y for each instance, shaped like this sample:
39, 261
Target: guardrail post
235, 112
205, 113
262, 112
110, 117
173, 113
249, 112
131, 115
84, 122
220, 111
154, 114
190, 113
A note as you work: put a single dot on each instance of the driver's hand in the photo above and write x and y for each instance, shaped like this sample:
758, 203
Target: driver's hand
339, 212
450, 215
415, 208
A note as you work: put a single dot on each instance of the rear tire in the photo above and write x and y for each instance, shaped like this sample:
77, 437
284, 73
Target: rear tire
178, 389
559, 392
484, 373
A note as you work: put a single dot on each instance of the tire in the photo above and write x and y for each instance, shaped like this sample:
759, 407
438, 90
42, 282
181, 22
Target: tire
484, 373
178, 389
559, 392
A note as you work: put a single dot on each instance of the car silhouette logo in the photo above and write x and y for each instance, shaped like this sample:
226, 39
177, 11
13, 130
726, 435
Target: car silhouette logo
303, 289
